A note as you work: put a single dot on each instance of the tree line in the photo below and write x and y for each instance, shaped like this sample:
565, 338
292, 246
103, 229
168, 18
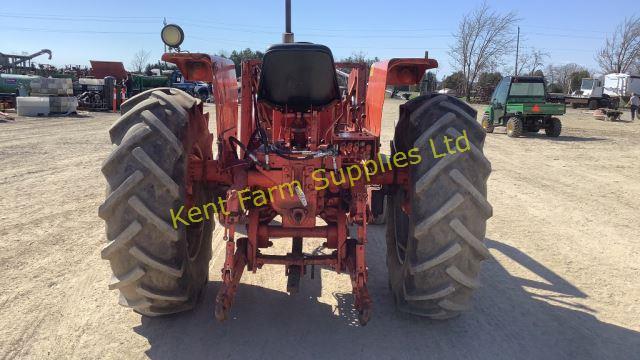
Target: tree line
485, 38
564, 78
238, 56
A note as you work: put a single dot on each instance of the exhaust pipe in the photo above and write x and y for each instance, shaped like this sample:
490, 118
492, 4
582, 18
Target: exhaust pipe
287, 36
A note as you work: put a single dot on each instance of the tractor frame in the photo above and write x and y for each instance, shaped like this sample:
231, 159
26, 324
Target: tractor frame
346, 132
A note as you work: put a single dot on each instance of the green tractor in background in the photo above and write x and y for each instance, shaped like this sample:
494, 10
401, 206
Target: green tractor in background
520, 104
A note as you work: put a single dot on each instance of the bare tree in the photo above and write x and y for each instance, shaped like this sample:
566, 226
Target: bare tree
530, 61
621, 50
562, 74
482, 40
140, 60
550, 73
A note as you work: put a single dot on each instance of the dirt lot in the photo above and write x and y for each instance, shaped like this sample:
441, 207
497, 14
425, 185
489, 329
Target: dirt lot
563, 282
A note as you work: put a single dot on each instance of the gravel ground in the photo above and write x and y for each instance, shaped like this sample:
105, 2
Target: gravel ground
563, 283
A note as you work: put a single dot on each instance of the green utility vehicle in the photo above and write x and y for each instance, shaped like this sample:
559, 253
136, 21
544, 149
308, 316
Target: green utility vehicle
520, 104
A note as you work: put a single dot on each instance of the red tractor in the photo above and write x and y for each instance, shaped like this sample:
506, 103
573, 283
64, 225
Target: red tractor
298, 147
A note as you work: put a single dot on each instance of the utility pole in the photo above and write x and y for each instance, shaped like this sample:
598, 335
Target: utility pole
164, 23
517, 50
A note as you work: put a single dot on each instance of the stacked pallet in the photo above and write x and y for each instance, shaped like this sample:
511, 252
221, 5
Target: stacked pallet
51, 87
54, 94
63, 104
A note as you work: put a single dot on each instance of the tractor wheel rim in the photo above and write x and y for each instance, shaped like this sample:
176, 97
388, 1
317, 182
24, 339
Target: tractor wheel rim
195, 231
401, 225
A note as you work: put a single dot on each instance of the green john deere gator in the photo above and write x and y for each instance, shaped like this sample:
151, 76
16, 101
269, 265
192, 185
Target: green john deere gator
520, 104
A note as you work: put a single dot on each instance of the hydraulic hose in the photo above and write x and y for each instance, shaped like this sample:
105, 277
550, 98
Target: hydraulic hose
249, 153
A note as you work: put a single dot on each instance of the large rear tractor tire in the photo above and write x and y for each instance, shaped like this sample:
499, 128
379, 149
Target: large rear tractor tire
434, 252
514, 127
554, 129
157, 268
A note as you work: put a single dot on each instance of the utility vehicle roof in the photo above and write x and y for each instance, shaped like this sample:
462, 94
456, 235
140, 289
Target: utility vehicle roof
527, 79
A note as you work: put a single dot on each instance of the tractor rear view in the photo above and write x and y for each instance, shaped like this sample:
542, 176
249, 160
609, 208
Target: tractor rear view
308, 155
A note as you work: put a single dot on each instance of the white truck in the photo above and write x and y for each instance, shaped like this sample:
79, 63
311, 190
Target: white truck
594, 94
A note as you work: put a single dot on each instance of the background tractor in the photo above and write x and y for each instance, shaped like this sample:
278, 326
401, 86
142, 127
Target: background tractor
170, 78
293, 124
520, 103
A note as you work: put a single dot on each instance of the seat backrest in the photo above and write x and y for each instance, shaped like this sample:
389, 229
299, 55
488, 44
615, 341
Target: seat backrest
298, 76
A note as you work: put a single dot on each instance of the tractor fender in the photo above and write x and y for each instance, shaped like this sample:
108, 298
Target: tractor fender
394, 72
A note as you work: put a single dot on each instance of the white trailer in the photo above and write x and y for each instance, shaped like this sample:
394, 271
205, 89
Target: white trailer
621, 84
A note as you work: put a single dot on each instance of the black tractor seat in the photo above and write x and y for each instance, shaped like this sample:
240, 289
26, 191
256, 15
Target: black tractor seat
298, 77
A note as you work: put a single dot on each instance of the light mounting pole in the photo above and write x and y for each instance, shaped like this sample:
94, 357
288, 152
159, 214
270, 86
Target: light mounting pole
287, 36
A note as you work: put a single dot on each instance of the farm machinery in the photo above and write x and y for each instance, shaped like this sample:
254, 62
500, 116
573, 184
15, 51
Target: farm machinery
520, 103
16, 63
299, 161
96, 92
173, 79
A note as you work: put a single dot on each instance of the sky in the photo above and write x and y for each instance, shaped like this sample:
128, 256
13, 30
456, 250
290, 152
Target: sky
76, 32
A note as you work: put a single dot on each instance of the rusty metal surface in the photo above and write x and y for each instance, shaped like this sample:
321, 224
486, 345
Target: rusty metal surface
221, 73
398, 71
102, 69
